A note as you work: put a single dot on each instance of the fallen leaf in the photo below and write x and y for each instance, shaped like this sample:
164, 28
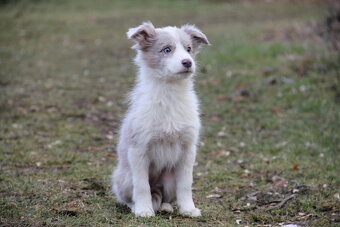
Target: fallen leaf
295, 167
111, 155
281, 183
222, 98
94, 149
237, 99
241, 84
222, 153
215, 119
276, 109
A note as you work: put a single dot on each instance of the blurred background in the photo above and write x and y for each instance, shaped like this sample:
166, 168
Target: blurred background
269, 91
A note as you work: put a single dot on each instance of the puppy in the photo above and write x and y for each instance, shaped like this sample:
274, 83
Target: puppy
159, 134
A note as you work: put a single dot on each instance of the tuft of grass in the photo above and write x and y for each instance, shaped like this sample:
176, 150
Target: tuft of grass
269, 91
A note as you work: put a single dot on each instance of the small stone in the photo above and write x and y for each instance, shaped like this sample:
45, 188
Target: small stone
302, 88
109, 136
98, 42
221, 134
229, 74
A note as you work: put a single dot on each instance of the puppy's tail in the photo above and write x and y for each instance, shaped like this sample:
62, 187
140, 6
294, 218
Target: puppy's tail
156, 194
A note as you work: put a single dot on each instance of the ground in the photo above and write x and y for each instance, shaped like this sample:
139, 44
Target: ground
270, 100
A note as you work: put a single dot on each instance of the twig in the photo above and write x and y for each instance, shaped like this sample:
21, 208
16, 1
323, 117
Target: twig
250, 195
253, 194
280, 204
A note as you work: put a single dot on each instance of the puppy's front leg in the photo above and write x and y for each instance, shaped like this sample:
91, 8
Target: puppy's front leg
139, 163
184, 182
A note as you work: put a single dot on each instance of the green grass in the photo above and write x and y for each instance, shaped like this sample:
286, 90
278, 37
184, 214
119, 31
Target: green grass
269, 91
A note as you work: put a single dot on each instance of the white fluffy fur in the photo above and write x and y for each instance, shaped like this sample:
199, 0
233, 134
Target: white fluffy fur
159, 134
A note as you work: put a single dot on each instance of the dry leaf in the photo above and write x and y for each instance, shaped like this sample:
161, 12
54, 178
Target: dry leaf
237, 99
222, 153
215, 119
276, 109
241, 84
111, 155
94, 149
222, 98
295, 167
281, 183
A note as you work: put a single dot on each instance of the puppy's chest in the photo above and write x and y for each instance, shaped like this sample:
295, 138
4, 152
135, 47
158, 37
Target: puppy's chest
173, 118
172, 131
165, 150
171, 126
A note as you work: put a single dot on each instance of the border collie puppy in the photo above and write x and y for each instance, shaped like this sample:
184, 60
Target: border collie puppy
160, 132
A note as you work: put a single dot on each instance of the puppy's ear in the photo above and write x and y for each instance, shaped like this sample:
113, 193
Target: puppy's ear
143, 35
198, 38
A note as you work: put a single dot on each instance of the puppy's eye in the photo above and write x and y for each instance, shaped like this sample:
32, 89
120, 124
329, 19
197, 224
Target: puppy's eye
166, 50
189, 49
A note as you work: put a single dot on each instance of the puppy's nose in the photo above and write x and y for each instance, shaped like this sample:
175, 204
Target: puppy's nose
186, 63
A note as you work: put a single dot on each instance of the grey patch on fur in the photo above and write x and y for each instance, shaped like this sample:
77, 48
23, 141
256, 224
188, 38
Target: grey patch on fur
198, 38
185, 39
153, 56
143, 35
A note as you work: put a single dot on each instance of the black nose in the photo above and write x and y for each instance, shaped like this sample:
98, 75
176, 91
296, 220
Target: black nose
186, 63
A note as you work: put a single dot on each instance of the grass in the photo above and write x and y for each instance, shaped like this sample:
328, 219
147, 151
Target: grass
269, 91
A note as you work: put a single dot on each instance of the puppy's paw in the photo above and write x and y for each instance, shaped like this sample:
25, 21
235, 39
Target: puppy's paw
191, 212
167, 207
144, 213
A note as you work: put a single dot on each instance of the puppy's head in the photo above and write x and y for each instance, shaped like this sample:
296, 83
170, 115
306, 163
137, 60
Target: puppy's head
168, 51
